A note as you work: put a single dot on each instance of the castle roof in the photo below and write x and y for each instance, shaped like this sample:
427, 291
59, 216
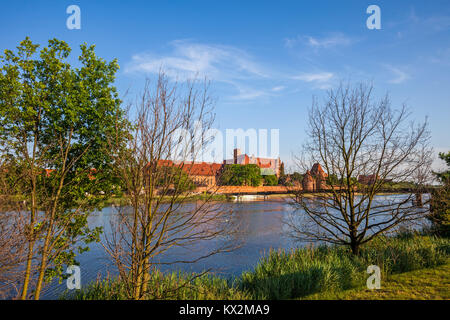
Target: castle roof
194, 168
317, 170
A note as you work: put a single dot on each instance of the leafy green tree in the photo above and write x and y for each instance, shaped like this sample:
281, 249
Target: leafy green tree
298, 177
332, 180
282, 176
241, 175
440, 201
445, 175
270, 180
54, 120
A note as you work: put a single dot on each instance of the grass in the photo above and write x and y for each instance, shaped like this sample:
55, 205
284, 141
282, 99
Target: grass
168, 286
324, 272
423, 284
302, 272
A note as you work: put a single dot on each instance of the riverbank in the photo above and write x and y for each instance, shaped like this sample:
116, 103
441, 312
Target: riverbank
306, 273
422, 284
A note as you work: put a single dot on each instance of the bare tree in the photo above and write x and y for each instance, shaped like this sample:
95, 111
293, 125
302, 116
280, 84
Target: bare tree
353, 138
163, 143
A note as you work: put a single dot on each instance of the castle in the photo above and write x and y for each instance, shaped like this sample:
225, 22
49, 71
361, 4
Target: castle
314, 179
268, 166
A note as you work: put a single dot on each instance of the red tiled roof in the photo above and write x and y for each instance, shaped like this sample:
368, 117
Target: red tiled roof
195, 169
203, 169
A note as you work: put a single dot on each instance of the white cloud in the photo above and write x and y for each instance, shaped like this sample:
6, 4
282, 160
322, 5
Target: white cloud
316, 77
248, 94
333, 40
278, 88
188, 59
320, 80
400, 76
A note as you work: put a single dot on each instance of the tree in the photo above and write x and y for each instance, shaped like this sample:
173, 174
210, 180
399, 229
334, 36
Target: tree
444, 176
282, 176
297, 177
241, 175
54, 119
351, 135
440, 201
270, 180
162, 142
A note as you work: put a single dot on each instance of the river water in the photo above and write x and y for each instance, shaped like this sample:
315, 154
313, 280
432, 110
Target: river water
262, 229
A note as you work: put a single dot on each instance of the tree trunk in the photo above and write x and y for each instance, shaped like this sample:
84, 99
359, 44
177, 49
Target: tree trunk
26, 280
43, 265
31, 241
355, 247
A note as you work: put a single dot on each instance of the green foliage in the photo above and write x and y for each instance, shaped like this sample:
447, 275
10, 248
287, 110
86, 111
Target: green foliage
241, 175
57, 117
332, 180
298, 177
440, 202
270, 180
282, 173
445, 175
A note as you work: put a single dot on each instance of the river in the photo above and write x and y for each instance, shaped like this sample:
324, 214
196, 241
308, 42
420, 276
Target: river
262, 229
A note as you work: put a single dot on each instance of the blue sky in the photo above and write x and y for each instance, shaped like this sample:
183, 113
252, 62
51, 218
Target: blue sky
266, 59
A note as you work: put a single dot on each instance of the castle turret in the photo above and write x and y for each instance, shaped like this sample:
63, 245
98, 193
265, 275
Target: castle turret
236, 154
320, 177
308, 182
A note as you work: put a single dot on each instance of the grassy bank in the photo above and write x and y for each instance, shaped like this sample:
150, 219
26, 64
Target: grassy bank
319, 273
423, 284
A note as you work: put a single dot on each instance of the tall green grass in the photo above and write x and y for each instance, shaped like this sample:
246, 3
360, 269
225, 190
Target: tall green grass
291, 274
173, 285
301, 272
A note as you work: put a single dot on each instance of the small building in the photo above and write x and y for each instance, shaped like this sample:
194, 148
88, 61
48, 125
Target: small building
315, 179
308, 182
204, 174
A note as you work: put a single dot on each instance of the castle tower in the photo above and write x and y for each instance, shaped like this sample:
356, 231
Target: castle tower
236, 153
308, 182
320, 176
